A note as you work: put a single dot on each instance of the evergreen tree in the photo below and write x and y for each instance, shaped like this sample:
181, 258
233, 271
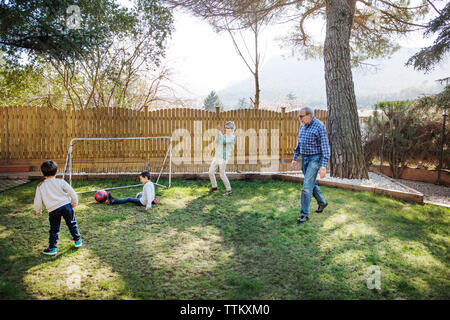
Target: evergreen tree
291, 100
428, 57
212, 101
242, 103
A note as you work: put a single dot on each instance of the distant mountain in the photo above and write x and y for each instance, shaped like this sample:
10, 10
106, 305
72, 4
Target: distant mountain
305, 80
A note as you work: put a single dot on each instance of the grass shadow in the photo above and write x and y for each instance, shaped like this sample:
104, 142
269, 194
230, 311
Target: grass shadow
195, 245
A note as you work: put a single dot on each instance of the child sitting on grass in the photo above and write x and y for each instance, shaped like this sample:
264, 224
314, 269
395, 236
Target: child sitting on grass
145, 198
59, 198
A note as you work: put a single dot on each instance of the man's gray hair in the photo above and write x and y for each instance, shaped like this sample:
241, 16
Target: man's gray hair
307, 110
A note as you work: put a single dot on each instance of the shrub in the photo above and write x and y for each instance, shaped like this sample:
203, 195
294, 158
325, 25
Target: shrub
402, 133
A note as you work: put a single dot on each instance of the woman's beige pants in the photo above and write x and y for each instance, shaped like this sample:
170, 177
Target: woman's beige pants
222, 164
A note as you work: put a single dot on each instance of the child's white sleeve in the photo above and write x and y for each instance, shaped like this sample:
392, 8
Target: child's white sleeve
38, 200
69, 190
149, 194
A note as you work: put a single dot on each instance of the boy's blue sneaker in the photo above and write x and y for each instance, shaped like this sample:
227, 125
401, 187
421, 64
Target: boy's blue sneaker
78, 243
50, 252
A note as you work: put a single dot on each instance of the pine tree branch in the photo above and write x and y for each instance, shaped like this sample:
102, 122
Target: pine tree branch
390, 15
304, 16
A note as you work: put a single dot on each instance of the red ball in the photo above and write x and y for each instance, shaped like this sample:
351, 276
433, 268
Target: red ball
101, 196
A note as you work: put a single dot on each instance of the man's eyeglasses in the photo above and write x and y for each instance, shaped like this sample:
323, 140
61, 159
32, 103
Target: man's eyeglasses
301, 117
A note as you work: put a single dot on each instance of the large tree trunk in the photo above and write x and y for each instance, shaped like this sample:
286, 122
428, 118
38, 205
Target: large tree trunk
347, 159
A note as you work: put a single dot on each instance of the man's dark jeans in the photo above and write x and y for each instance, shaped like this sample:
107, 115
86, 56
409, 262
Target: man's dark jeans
68, 214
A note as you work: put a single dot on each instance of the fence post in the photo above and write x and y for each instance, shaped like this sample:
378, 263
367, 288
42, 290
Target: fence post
69, 124
8, 155
444, 115
283, 134
146, 133
217, 116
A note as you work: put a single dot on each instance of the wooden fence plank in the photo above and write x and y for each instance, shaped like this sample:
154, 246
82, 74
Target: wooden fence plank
2, 133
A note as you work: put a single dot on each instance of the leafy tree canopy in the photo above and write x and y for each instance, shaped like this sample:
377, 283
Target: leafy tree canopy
66, 30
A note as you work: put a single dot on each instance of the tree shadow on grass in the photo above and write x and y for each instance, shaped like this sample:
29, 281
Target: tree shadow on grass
166, 253
217, 248
408, 241
22, 239
248, 246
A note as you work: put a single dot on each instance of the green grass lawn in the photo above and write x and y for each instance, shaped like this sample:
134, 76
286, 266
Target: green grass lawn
199, 246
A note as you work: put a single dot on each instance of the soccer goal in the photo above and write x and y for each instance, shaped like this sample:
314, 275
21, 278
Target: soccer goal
100, 157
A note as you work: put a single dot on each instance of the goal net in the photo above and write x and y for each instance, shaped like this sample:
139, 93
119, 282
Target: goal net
101, 157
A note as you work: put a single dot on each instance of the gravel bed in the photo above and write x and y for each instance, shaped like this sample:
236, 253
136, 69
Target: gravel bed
431, 192
375, 180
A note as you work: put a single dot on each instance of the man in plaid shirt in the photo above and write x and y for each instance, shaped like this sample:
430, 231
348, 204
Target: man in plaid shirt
315, 151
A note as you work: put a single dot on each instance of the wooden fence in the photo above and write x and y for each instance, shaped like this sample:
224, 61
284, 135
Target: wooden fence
30, 135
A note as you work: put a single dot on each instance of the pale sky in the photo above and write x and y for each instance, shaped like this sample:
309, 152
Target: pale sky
202, 60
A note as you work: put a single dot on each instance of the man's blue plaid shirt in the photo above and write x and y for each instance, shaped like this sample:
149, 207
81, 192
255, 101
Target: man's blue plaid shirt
312, 140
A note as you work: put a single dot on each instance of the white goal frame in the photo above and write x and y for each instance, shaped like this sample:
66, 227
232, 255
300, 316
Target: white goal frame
69, 162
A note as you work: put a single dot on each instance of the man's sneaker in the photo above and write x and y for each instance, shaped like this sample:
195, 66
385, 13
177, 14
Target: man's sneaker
50, 252
78, 243
110, 198
212, 189
302, 219
321, 207
228, 193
